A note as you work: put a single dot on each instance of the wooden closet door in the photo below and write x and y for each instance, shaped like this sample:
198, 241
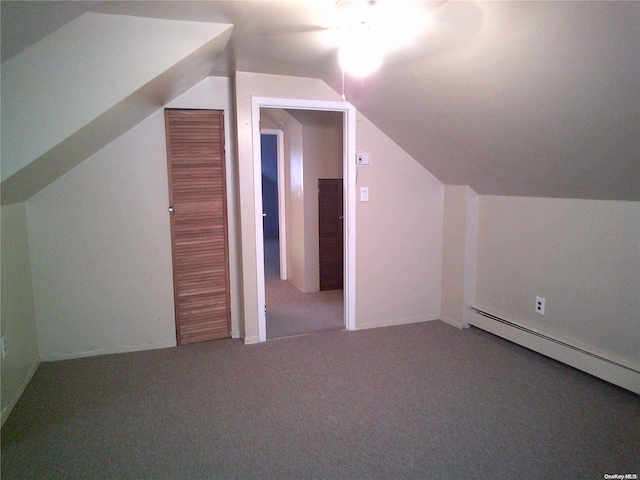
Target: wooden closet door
197, 195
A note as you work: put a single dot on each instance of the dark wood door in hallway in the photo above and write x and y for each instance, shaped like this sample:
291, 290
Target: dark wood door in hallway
331, 233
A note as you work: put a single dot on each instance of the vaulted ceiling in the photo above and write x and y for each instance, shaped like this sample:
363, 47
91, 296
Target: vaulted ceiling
511, 98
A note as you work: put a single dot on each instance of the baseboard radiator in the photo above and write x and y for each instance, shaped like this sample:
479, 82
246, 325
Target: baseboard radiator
592, 363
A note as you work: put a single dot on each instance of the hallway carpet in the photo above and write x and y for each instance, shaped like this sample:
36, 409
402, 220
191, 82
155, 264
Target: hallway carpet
290, 311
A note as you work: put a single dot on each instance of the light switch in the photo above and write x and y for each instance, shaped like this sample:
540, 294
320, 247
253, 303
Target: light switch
364, 194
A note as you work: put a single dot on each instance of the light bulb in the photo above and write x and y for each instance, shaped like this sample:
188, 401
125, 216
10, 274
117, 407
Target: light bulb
360, 54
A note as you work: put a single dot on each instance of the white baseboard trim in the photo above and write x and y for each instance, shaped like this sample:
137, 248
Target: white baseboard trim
251, 340
7, 409
107, 351
453, 323
395, 321
599, 367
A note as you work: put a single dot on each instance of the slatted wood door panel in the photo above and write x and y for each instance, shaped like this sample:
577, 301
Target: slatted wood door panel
197, 194
331, 233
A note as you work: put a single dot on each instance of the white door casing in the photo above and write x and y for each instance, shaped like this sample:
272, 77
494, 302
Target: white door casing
349, 175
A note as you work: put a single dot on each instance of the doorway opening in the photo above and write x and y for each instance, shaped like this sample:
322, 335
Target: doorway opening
347, 175
302, 202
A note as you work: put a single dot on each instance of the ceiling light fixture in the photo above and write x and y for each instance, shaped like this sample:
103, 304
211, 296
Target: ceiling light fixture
361, 53
371, 28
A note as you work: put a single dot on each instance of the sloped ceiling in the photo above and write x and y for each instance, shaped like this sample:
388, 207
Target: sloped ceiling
543, 101
62, 104
511, 98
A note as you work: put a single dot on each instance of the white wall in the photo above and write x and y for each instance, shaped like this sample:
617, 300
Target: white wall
399, 235
582, 256
294, 204
399, 231
18, 319
459, 254
100, 243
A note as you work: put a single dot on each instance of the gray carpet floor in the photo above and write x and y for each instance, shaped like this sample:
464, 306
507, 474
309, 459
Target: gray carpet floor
421, 401
290, 311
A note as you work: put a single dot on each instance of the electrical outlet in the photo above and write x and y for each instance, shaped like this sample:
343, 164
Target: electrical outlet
540, 305
3, 346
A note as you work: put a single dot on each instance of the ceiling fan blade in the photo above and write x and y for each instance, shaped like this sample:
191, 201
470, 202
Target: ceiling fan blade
452, 25
291, 30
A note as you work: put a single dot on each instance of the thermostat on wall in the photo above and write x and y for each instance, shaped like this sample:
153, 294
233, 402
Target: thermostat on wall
363, 158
